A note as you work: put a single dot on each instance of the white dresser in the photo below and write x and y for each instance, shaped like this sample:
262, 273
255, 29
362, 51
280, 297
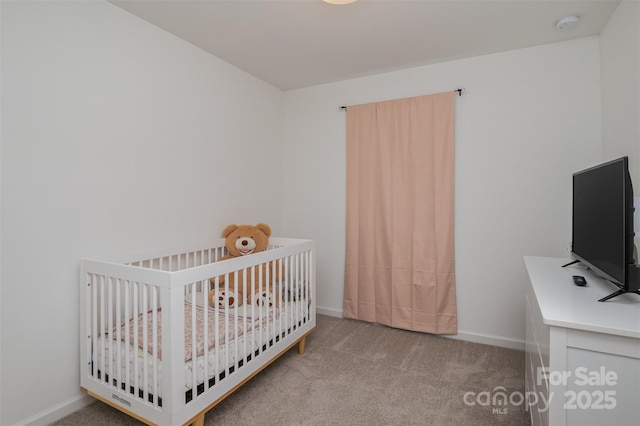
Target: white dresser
583, 356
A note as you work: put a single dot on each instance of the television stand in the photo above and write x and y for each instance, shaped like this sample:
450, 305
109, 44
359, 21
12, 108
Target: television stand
618, 293
570, 263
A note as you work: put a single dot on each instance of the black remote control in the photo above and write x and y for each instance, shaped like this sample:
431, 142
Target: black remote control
579, 280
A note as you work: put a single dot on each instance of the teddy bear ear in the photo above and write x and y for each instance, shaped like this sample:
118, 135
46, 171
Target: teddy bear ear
264, 228
229, 229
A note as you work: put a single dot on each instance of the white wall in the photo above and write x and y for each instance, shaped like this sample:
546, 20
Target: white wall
528, 119
620, 53
116, 136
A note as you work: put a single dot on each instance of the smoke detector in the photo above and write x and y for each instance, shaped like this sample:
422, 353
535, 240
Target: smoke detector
567, 23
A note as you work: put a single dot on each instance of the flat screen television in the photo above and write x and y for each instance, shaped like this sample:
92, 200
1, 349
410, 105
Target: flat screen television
602, 224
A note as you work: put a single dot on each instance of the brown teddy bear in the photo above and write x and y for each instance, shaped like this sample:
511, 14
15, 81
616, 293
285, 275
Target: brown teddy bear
242, 240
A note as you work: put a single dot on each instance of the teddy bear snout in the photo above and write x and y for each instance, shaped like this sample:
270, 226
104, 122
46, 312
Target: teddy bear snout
245, 245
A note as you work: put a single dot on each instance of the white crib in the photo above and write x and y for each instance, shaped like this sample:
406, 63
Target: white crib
152, 346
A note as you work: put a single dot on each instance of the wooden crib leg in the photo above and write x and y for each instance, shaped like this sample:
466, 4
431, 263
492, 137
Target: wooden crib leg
301, 344
199, 421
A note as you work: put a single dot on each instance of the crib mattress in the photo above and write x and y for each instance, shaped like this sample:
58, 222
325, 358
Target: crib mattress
133, 366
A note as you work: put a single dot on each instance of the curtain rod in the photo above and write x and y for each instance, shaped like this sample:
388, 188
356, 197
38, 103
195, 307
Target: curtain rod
344, 108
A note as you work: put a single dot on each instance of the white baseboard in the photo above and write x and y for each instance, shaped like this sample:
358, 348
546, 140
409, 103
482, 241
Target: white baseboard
488, 339
58, 411
485, 339
336, 313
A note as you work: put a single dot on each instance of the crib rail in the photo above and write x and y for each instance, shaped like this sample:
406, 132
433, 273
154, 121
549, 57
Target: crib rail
154, 346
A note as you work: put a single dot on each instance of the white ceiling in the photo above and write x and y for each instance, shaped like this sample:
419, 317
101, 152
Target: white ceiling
299, 43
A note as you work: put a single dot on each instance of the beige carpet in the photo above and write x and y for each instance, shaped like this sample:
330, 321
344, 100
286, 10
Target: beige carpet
356, 373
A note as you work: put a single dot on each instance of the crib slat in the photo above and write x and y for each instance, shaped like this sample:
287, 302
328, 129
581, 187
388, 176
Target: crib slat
205, 303
246, 344
271, 315
145, 342
135, 289
127, 334
254, 346
194, 336
155, 345
217, 328
94, 326
102, 325
228, 331
116, 379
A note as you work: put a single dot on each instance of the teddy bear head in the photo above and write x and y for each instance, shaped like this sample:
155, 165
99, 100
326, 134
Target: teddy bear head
246, 239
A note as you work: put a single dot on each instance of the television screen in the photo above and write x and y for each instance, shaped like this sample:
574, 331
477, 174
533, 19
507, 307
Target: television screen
601, 219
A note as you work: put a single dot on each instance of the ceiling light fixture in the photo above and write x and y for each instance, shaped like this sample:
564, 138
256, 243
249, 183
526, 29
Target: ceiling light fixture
339, 1
567, 22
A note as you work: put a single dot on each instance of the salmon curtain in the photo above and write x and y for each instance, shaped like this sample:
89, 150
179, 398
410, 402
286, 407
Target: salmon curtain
400, 265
